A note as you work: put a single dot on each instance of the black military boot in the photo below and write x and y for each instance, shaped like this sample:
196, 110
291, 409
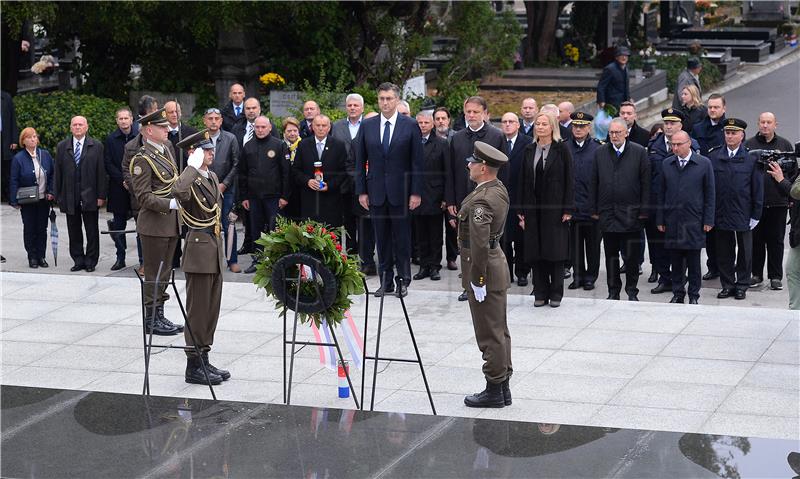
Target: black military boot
195, 375
153, 323
225, 375
507, 392
492, 396
167, 322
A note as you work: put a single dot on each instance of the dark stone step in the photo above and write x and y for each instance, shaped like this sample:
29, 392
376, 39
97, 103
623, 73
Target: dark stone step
747, 50
713, 54
730, 33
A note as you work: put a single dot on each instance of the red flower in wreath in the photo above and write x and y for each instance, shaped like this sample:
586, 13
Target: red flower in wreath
344, 257
338, 247
333, 236
310, 228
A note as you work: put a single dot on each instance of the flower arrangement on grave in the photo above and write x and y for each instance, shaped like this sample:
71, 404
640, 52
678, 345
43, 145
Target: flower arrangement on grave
272, 80
572, 53
325, 290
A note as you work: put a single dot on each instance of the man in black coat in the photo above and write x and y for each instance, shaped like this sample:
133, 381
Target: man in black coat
636, 134
357, 226
264, 180
513, 240
619, 193
321, 196
614, 87
10, 135
457, 182
769, 234
428, 217
233, 111
80, 190
708, 133
310, 111
177, 132
584, 230
686, 213
119, 200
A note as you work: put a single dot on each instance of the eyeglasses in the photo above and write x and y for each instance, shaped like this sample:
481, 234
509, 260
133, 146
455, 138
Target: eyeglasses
613, 133
509, 121
213, 110
678, 143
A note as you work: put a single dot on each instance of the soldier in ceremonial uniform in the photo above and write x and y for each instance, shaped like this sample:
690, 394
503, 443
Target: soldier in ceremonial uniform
153, 173
485, 275
197, 190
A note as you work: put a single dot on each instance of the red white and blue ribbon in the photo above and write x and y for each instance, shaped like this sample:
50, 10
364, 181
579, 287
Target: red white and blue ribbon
353, 340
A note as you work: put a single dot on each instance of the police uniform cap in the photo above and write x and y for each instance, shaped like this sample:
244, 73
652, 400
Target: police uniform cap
158, 117
673, 114
201, 139
734, 124
488, 155
581, 118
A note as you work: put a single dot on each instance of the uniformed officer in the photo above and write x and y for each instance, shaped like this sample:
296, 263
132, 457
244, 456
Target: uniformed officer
153, 172
203, 261
485, 276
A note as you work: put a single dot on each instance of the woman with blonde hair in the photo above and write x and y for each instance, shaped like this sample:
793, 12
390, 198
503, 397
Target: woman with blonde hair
32, 167
692, 107
547, 197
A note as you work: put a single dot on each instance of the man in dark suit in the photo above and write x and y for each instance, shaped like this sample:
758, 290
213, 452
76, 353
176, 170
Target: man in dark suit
243, 131
178, 131
513, 244
10, 134
233, 112
80, 190
389, 163
614, 87
527, 111
441, 121
119, 199
319, 172
636, 134
310, 111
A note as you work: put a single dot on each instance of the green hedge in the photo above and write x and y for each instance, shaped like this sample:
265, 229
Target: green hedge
50, 114
675, 63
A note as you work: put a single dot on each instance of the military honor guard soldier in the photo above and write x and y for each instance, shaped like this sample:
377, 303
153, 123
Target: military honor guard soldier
197, 190
153, 172
485, 275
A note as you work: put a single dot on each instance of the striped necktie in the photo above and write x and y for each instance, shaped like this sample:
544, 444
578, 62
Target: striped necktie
77, 155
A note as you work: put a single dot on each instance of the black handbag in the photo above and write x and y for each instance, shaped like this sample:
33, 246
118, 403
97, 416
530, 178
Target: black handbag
28, 194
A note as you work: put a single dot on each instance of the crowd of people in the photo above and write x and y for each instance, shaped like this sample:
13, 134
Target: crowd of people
395, 185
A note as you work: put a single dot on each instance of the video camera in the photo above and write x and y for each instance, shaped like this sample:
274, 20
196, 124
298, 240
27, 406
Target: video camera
786, 160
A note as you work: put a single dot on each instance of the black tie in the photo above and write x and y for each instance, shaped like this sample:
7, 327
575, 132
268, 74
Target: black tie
510, 146
385, 141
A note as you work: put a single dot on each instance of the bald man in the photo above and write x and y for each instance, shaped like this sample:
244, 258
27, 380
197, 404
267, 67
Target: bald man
80, 190
233, 111
310, 111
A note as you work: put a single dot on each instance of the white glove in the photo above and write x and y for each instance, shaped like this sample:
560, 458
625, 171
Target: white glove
196, 158
173, 204
753, 223
480, 292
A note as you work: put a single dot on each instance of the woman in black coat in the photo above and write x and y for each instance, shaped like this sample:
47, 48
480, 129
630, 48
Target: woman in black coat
547, 193
33, 166
692, 107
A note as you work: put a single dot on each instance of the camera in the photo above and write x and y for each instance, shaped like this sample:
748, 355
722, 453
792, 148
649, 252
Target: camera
786, 160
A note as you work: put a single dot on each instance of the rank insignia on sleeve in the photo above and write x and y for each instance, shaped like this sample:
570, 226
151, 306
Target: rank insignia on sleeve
477, 214
137, 170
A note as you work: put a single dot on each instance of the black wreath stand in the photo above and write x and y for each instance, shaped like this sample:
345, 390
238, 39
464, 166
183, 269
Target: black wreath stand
310, 305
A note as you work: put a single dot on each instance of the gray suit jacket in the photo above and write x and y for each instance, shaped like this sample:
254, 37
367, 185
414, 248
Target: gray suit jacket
226, 158
341, 131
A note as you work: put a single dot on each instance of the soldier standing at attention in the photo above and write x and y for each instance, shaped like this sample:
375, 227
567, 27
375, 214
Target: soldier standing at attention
481, 220
197, 190
153, 172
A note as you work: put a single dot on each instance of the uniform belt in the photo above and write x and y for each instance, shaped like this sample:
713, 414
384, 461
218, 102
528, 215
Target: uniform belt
209, 230
493, 243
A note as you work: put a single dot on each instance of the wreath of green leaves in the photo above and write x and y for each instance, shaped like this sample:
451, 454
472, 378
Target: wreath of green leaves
317, 240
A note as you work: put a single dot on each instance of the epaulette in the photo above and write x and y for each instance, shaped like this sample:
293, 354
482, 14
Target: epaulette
598, 141
714, 148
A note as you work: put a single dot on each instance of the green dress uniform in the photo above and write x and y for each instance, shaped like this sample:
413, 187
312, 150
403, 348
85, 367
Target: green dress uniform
481, 221
153, 172
203, 259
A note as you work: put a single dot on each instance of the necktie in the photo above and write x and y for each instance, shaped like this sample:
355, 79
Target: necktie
77, 155
249, 135
238, 110
619, 153
385, 141
424, 141
683, 163
731, 154
510, 146
320, 146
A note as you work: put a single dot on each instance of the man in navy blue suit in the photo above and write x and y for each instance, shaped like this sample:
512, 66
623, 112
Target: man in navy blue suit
389, 166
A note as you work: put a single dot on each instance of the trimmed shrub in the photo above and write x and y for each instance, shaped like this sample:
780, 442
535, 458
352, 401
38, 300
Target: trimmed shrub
50, 114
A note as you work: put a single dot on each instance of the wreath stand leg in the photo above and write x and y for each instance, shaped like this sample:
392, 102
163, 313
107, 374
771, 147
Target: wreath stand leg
147, 339
378, 357
287, 386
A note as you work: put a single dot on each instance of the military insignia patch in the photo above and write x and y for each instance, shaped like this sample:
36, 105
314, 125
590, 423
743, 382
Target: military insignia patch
197, 181
137, 170
477, 214
271, 154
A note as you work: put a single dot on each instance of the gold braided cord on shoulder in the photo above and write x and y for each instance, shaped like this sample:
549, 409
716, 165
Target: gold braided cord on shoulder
202, 223
165, 191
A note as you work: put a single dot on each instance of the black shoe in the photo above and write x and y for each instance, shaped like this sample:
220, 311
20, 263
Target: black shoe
196, 375
506, 392
250, 269
756, 281
710, 275
567, 274
554, 303
369, 270
402, 291
165, 321
33, 263
614, 296
573, 285
452, 266
692, 300
492, 396
633, 297
118, 265
424, 272
653, 277
676, 299
435, 276
661, 288
90, 269
223, 373
725, 293
740, 294
463, 296
158, 328
588, 286
386, 288
522, 282
77, 267
43, 264
539, 303
774, 284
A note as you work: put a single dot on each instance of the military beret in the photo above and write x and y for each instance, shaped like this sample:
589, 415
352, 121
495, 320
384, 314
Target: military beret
734, 124
158, 117
622, 51
201, 139
487, 154
581, 118
673, 114
692, 63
